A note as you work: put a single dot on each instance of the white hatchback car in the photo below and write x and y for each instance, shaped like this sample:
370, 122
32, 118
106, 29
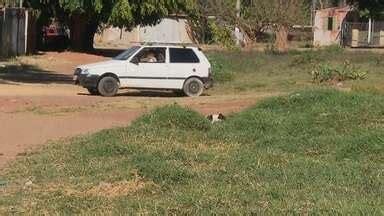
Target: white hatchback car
183, 69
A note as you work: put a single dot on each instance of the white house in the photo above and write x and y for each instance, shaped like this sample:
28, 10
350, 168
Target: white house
173, 29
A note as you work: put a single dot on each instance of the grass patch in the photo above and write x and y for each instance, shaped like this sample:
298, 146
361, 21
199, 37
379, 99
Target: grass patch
312, 152
258, 71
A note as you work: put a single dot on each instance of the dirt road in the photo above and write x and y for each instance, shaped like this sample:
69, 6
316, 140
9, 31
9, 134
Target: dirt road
32, 113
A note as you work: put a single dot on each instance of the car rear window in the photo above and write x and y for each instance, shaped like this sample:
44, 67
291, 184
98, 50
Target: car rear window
182, 55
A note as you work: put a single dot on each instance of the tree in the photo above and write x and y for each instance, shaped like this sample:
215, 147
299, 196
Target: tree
370, 8
259, 15
253, 20
86, 16
285, 14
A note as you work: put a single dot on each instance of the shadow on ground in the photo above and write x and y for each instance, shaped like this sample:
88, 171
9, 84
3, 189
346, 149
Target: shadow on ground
148, 93
24, 73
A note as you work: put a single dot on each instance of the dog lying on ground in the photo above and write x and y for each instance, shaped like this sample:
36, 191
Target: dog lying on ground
215, 118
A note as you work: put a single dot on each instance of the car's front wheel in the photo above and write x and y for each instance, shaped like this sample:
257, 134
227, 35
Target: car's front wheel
193, 87
108, 86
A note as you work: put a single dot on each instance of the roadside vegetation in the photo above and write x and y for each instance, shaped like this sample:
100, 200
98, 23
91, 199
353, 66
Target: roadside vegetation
314, 151
242, 72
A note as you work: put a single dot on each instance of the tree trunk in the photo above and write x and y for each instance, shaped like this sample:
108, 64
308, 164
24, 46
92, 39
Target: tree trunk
281, 42
82, 33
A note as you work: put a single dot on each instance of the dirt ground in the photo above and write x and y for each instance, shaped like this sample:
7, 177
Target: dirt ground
41, 107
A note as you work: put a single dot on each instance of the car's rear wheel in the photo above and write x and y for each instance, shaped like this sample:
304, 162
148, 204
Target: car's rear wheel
93, 91
108, 86
193, 87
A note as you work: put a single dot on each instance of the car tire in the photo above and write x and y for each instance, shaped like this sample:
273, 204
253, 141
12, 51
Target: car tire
193, 87
108, 86
93, 91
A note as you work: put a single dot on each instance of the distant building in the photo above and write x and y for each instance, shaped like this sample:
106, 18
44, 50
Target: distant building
174, 29
343, 26
328, 25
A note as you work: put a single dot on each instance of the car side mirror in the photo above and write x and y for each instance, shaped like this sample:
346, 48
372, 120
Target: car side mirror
135, 60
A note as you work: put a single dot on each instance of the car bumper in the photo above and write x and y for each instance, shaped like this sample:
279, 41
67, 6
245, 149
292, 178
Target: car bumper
208, 82
87, 81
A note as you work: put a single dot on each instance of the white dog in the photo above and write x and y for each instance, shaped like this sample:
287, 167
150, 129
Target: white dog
214, 118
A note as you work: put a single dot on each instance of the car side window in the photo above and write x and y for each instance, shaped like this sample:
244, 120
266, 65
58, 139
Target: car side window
151, 55
183, 55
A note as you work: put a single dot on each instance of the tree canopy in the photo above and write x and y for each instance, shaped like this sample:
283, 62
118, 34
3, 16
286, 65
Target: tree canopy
370, 8
119, 13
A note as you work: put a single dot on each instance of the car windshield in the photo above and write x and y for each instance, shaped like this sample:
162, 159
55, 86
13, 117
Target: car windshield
127, 53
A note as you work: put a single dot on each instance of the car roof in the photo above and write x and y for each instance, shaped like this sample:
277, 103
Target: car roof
171, 46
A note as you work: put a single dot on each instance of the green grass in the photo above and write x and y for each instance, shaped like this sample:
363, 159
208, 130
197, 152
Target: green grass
311, 152
257, 71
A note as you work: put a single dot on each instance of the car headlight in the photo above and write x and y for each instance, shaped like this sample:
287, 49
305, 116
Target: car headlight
78, 71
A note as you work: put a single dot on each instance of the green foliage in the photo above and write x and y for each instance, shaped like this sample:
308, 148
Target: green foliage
271, 49
123, 13
256, 71
306, 57
220, 72
309, 152
334, 49
326, 72
222, 35
173, 117
370, 8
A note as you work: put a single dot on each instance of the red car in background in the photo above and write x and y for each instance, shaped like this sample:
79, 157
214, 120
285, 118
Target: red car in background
56, 36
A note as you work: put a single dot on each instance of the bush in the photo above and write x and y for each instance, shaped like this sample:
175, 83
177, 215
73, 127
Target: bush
222, 36
173, 117
220, 74
347, 71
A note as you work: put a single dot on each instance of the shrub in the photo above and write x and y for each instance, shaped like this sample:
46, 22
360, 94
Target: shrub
220, 74
222, 36
173, 117
347, 71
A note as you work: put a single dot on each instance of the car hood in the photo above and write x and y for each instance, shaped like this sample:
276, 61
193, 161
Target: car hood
110, 63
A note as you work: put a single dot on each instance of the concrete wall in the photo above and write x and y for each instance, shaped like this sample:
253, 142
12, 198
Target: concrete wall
169, 30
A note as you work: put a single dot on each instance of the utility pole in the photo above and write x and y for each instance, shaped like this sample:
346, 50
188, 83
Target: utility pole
237, 30
238, 8
313, 8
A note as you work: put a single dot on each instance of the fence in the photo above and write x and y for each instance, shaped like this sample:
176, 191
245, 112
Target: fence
17, 32
363, 34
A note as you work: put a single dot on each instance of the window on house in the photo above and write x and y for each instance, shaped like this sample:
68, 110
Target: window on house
330, 24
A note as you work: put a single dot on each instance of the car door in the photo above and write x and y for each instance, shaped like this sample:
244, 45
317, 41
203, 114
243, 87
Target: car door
148, 69
183, 63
